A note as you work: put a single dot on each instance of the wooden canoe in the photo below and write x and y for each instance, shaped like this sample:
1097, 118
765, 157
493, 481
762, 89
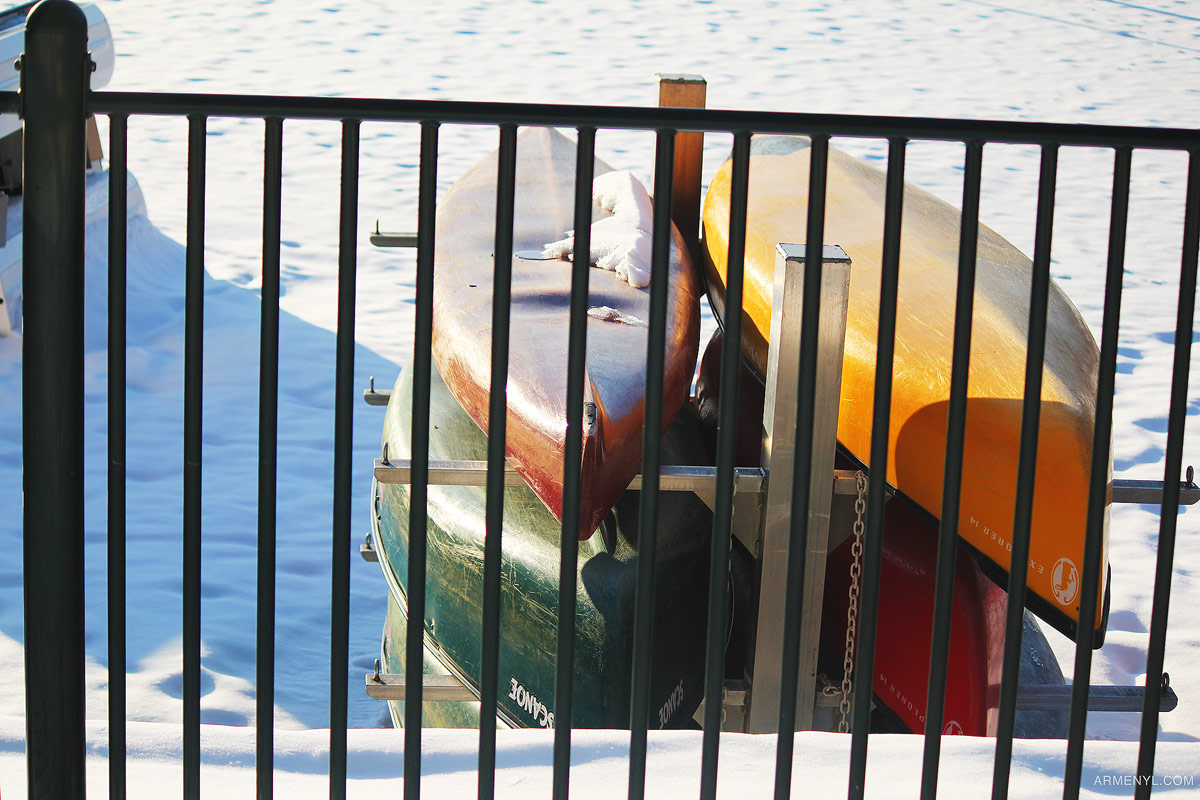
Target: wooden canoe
537, 377
529, 585
779, 168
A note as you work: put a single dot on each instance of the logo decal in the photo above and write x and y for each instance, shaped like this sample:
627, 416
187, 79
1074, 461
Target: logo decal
672, 705
953, 728
530, 704
1065, 581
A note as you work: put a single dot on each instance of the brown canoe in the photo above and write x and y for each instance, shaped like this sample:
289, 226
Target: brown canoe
537, 378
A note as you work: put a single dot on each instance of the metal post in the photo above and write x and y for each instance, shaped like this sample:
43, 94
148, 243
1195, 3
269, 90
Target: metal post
54, 79
779, 424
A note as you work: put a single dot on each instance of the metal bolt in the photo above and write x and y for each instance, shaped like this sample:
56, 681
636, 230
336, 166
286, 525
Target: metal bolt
376, 677
17, 65
386, 463
372, 389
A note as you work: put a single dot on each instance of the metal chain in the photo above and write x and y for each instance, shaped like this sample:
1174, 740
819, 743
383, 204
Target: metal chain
856, 550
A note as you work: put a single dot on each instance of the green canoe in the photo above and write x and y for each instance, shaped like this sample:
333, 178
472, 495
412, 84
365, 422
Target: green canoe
529, 591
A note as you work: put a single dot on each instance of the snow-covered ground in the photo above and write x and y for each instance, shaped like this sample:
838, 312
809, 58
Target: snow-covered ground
1086, 62
599, 759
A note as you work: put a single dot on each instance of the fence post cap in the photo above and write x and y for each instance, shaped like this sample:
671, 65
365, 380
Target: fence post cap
55, 16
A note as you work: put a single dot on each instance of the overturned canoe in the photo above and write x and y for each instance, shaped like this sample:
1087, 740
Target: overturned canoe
779, 168
605, 595
619, 313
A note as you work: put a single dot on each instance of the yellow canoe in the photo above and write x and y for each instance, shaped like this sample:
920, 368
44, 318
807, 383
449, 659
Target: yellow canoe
779, 168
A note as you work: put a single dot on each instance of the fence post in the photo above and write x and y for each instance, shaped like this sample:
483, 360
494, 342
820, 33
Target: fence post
55, 70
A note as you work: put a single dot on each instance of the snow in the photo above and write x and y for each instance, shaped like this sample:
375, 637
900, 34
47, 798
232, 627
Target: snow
1076, 62
599, 760
621, 241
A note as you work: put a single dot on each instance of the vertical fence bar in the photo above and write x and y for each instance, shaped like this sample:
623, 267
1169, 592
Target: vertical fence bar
643, 630
1089, 595
268, 435
193, 402
802, 469
585, 165
343, 450
497, 413
53, 88
118, 187
1169, 514
952, 480
868, 618
727, 425
418, 507
1026, 471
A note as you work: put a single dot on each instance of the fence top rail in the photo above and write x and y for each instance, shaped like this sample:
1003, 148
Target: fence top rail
635, 118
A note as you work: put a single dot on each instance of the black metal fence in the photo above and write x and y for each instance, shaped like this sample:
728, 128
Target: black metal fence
54, 101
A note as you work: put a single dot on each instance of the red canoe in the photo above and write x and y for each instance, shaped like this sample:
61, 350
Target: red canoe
537, 378
905, 624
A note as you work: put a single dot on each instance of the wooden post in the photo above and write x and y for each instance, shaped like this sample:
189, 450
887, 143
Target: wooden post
685, 91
